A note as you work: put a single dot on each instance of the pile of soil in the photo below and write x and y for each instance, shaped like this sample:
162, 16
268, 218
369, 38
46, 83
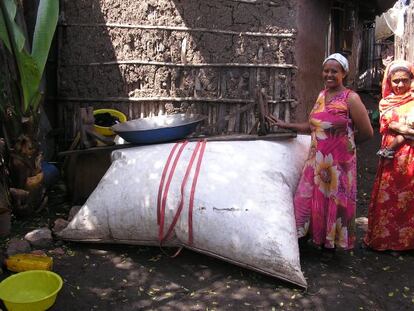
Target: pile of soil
105, 119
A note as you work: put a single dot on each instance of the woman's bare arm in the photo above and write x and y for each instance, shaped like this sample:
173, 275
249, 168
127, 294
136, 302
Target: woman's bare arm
360, 118
303, 127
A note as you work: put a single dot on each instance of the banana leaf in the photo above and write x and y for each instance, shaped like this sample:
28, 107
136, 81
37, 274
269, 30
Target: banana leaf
46, 21
31, 65
4, 36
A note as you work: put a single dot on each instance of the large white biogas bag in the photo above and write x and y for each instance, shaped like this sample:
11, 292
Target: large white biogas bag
232, 200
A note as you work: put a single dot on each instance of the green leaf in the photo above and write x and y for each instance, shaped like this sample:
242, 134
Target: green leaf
28, 70
30, 77
17, 36
35, 101
4, 36
11, 8
46, 21
31, 66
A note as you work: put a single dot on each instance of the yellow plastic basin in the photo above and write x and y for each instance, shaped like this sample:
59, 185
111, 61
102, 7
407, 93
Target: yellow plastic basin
34, 290
106, 130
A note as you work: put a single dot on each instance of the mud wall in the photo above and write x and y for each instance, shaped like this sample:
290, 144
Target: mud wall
152, 57
310, 52
404, 45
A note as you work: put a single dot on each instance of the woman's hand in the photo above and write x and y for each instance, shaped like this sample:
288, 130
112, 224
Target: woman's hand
297, 127
273, 121
281, 124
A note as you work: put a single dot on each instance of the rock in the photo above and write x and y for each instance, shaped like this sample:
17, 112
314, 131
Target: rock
38, 252
58, 243
40, 237
59, 225
17, 246
57, 251
73, 211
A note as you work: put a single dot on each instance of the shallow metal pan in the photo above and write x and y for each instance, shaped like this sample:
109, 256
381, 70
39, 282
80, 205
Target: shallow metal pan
158, 129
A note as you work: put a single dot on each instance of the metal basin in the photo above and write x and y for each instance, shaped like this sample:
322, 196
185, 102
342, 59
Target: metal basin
158, 129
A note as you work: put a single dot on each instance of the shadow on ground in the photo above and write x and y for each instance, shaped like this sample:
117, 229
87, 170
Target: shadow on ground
114, 277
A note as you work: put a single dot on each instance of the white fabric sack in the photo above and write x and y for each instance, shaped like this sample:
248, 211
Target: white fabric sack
394, 18
382, 30
243, 203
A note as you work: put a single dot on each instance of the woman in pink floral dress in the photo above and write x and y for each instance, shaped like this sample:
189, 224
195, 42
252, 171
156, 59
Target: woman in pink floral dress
325, 200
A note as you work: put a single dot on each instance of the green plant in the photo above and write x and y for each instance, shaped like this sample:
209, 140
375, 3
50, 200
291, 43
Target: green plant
30, 61
19, 105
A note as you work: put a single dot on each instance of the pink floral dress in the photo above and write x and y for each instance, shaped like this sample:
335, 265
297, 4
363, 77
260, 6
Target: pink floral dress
325, 200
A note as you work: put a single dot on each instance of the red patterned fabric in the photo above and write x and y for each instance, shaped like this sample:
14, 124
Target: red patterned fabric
391, 210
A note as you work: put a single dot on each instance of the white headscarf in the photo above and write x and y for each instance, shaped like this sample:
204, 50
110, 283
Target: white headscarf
399, 65
340, 59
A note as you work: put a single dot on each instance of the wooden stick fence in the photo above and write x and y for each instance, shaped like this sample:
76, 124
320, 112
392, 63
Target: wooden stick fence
170, 64
169, 99
225, 114
184, 29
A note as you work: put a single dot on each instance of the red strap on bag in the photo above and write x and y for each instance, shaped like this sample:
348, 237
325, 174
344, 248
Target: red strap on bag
193, 188
163, 193
183, 184
167, 187
164, 173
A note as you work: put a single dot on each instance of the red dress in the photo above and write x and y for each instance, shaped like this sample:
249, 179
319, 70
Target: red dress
391, 210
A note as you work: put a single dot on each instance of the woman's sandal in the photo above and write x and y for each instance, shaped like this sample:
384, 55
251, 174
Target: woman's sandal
386, 153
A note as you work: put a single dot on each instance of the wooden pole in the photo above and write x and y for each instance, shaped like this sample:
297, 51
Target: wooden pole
168, 99
170, 64
285, 34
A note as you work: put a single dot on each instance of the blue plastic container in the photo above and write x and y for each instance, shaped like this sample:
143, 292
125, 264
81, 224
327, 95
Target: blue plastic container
51, 174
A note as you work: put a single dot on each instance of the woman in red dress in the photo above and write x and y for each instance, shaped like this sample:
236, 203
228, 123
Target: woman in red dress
391, 210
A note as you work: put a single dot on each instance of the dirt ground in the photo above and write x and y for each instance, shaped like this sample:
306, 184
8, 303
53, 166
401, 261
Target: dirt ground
107, 277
